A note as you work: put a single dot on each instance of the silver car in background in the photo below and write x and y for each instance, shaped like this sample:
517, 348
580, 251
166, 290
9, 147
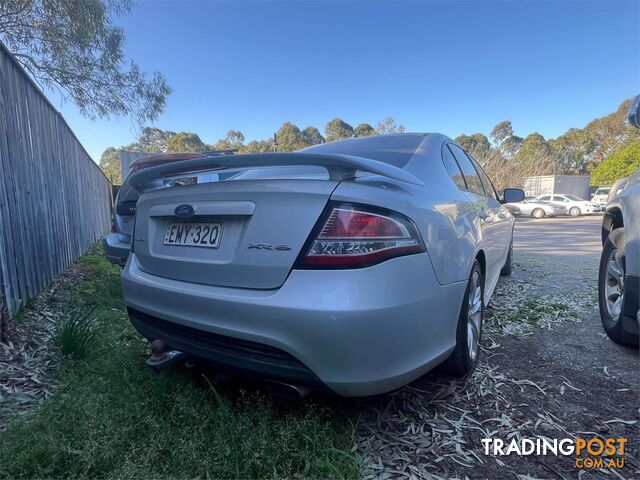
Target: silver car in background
532, 207
117, 243
355, 266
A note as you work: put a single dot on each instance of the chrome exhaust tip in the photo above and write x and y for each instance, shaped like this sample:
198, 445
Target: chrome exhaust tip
288, 391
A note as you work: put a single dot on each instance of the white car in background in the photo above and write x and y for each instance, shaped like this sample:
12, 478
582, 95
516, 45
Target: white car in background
601, 195
532, 207
575, 205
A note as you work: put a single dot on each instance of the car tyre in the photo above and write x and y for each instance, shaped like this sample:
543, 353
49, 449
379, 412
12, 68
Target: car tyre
611, 288
574, 211
508, 264
465, 356
538, 213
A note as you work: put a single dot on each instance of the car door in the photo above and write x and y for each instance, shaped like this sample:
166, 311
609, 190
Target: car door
504, 219
562, 200
489, 221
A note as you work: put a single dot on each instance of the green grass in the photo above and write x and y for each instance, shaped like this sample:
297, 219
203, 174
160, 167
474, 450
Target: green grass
114, 418
535, 309
75, 336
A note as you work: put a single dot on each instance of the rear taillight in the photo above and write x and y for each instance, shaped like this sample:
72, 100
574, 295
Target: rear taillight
353, 235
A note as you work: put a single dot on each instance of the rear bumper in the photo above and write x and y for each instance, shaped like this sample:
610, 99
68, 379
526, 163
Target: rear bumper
115, 249
359, 332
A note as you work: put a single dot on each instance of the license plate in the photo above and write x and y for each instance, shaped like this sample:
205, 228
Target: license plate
193, 234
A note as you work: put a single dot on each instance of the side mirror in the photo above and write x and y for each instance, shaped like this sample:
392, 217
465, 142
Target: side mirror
633, 117
512, 195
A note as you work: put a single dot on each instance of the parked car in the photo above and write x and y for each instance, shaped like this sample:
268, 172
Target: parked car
532, 207
601, 195
619, 274
355, 266
118, 242
575, 205
513, 209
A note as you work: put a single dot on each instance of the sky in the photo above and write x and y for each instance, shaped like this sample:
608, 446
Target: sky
450, 67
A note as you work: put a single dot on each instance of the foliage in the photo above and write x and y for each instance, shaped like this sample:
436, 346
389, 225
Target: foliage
233, 140
185, 142
621, 163
75, 48
364, 130
476, 142
114, 418
585, 148
110, 165
290, 138
501, 132
337, 129
75, 336
572, 148
312, 136
262, 146
532, 147
388, 125
152, 140
510, 172
507, 158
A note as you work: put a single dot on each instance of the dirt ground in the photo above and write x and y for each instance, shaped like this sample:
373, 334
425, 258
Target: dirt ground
548, 370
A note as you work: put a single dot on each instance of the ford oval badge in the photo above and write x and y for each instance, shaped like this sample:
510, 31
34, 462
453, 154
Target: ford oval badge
185, 210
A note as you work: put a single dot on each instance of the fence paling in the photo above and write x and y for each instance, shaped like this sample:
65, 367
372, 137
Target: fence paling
54, 199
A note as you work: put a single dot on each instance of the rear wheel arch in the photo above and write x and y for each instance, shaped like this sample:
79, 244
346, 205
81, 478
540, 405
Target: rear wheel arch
611, 221
483, 262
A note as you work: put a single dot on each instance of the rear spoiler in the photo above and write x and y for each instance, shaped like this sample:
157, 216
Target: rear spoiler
340, 167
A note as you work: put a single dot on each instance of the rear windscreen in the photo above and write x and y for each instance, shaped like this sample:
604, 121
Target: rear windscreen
395, 150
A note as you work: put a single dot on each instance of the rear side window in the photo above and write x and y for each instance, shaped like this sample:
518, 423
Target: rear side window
484, 178
468, 170
395, 150
453, 169
546, 197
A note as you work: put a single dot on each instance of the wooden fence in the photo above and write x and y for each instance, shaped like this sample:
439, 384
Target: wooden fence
54, 199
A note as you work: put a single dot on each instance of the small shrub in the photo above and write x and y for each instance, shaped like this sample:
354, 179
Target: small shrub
75, 336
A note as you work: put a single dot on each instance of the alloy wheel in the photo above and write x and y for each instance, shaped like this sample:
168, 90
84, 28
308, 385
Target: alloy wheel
538, 213
474, 315
614, 284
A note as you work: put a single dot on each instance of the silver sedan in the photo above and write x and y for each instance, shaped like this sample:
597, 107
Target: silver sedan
355, 266
531, 207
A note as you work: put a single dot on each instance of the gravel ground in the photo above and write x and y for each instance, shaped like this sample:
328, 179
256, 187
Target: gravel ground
547, 370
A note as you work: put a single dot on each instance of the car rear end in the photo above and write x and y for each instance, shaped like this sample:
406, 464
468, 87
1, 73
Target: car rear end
117, 243
600, 197
591, 208
283, 279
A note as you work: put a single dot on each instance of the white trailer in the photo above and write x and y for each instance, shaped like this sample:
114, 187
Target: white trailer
549, 184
